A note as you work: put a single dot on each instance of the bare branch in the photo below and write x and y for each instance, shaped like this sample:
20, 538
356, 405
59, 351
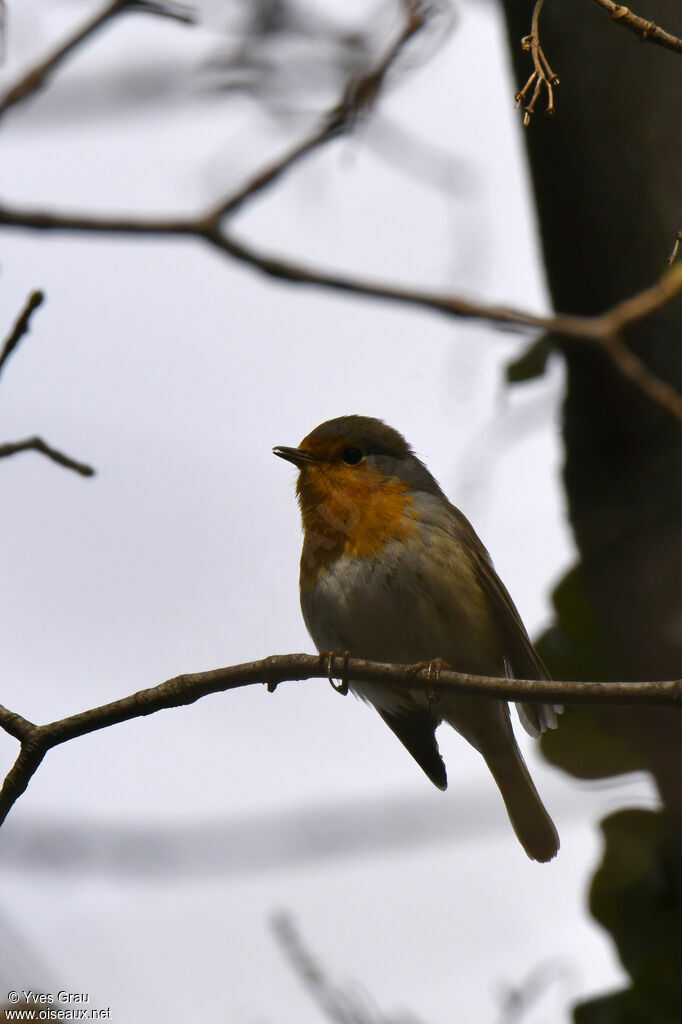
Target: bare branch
40, 220
15, 725
517, 998
451, 305
632, 367
630, 311
542, 77
675, 249
21, 326
183, 13
344, 1005
359, 94
599, 330
209, 226
36, 444
36, 740
36, 78
639, 306
647, 31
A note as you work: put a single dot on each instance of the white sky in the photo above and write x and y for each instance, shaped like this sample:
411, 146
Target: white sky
143, 863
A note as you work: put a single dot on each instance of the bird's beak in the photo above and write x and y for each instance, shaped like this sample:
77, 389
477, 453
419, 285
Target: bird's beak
298, 456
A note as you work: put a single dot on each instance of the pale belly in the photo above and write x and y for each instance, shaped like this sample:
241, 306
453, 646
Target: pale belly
403, 609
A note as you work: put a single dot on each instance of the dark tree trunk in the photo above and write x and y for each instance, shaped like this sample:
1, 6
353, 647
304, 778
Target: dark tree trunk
607, 175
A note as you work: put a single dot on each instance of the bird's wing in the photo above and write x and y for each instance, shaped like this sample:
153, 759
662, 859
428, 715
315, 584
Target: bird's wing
522, 661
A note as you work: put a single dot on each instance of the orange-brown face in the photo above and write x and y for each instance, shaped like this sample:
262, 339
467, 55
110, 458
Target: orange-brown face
348, 505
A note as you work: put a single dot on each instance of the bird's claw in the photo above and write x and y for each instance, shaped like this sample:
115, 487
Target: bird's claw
342, 686
433, 671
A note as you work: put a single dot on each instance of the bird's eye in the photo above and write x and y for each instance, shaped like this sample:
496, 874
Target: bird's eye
351, 456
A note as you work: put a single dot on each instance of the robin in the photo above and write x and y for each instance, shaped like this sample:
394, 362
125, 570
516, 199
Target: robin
392, 572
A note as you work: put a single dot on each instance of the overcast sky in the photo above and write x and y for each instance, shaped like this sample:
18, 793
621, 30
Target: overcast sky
144, 863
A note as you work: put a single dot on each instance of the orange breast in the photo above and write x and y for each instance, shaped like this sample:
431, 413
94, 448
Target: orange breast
351, 511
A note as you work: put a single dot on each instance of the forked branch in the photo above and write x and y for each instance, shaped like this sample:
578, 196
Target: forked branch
36, 444
212, 226
542, 76
602, 330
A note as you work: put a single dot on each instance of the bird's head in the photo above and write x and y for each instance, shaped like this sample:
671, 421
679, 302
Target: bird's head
355, 471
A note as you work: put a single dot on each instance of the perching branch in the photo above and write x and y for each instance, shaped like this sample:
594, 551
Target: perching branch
542, 77
647, 31
432, 680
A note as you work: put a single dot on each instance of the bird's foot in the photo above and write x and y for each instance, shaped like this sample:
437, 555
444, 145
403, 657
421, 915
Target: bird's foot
342, 686
434, 669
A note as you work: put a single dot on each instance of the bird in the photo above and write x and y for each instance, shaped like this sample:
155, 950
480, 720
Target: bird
391, 571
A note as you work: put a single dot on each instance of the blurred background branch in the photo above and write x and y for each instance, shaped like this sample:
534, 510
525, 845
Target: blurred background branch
36, 444
21, 327
343, 1004
358, 95
38, 76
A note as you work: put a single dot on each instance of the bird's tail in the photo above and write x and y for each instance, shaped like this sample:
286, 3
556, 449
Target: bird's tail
533, 826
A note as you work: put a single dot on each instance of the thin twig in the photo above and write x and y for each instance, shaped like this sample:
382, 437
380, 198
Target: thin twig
675, 249
632, 367
602, 330
37, 76
347, 1004
542, 77
647, 31
36, 740
639, 306
169, 9
359, 94
21, 327
36, 444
